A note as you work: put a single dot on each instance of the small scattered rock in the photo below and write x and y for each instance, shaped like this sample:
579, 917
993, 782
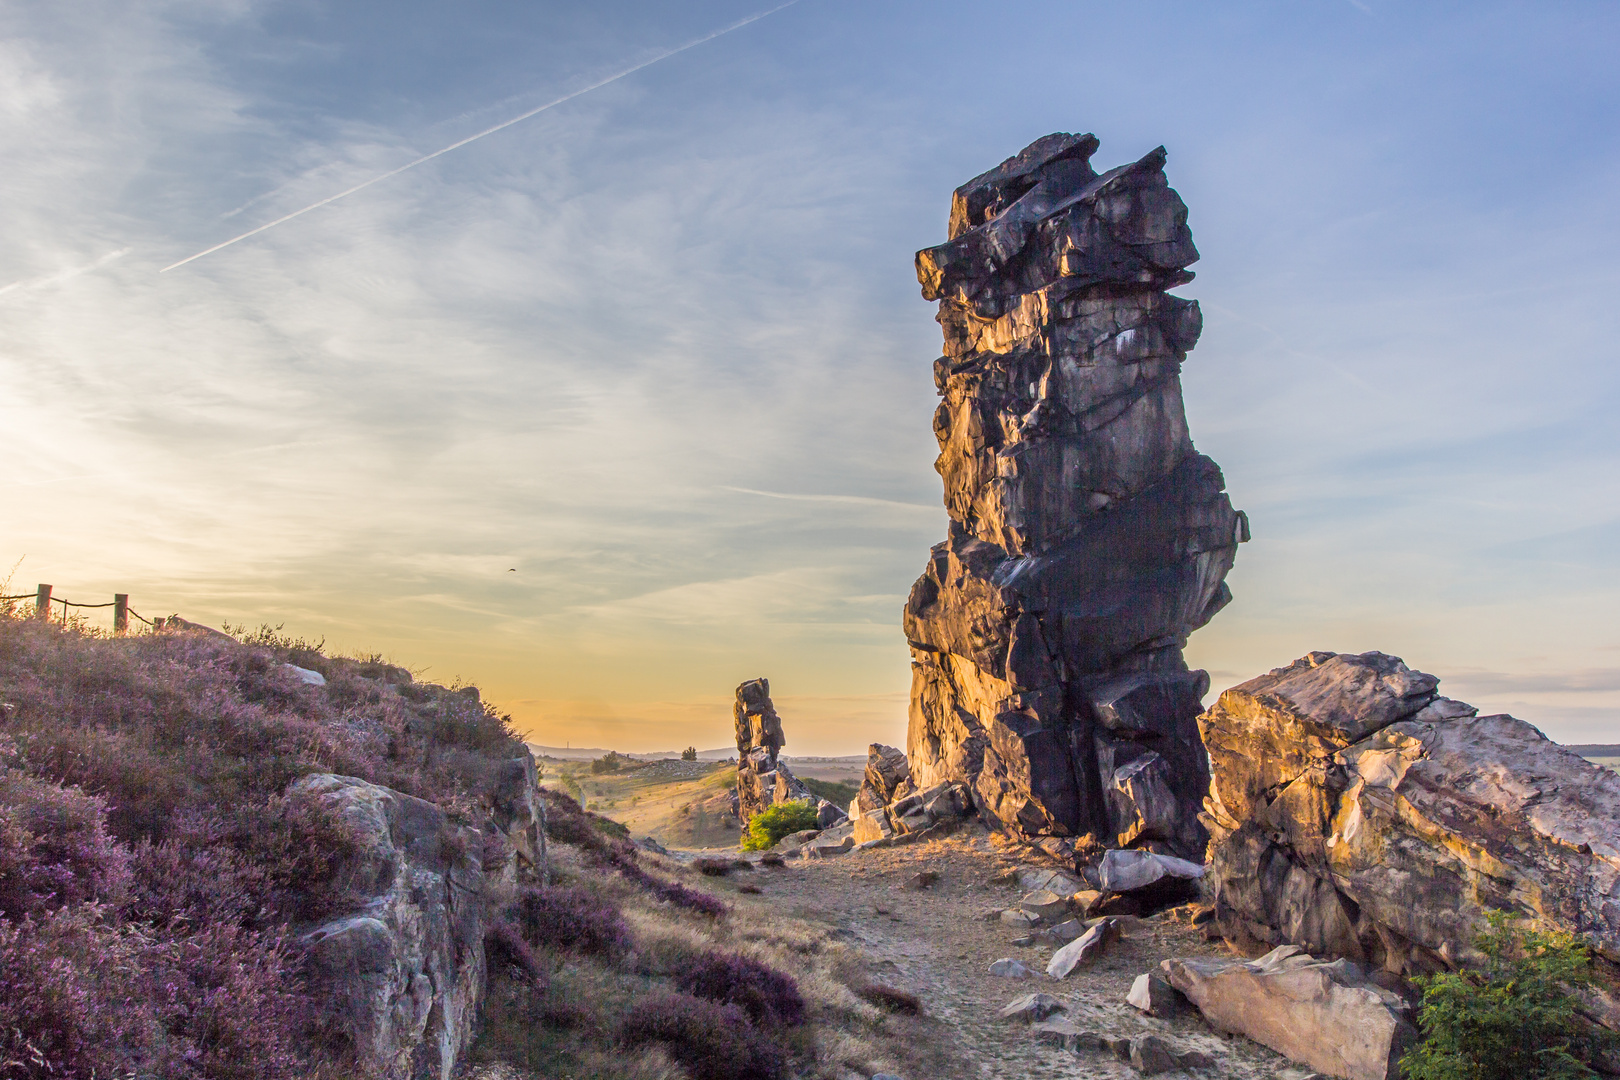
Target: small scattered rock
1009, 876
923, 879
306, 676
1025, 940
1020, 917
1061, 1033
1008, 968
1151, 1055
1064, 932
1083, 949
771, 858
1031, 1008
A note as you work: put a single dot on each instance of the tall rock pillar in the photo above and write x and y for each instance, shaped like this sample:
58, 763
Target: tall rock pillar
762, 779
1088, 538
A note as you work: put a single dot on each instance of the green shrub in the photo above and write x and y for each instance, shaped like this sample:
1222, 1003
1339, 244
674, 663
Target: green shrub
611, 762
1515, 1019
767, 828
689, 754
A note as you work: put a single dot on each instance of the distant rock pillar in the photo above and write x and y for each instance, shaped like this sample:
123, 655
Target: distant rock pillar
1088, 538
762, 780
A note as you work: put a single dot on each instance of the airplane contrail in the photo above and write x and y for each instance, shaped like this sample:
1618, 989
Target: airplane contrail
63, 275
694, 43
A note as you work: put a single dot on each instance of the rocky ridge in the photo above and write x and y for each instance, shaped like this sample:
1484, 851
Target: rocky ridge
1088, 538
1356, 813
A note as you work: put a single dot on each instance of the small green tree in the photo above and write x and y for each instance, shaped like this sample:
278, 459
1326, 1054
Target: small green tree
1513, 1020
766, 829
610, 762
689, 754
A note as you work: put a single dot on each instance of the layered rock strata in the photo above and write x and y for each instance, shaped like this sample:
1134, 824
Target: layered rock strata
762, 779
1356, 813
402, 977
1088, 538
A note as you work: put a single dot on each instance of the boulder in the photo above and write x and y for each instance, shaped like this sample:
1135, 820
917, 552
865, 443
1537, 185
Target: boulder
795, 841
401, 977
829, 814
1329, 1016
1128, 871
1008, 968
1056, 881
1032, 1008
1355, 813
1153, 994
1088, 538
1020, 918
305, 675
872, 825
1044, 904
1083, 949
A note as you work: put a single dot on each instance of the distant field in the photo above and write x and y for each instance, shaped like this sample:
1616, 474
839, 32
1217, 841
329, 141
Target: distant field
685, 804
1609, 762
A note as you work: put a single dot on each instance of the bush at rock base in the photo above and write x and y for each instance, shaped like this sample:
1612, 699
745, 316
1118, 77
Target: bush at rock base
766, 829
570, 918
1514, 1020
712, 1041
767, 996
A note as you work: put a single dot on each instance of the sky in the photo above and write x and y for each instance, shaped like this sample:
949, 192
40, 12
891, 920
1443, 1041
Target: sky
621, 404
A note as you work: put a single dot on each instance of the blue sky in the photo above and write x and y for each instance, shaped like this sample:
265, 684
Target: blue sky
660, 348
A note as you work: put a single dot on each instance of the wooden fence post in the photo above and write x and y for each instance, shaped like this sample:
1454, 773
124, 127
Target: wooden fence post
120, 612
42, 604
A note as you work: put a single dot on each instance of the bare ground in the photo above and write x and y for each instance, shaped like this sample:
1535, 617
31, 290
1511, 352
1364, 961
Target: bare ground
937, 943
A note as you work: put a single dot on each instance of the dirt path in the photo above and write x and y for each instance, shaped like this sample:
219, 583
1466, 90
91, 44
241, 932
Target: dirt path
937, 943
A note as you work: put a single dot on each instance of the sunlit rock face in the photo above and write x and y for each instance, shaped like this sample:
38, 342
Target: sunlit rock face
1356, 813
1088, 538
762, 780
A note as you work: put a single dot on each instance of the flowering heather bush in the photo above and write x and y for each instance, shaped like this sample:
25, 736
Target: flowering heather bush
771, 998
712, 1041
890, 999
54, 848
149, 867
504, 944
82, 997
571, 918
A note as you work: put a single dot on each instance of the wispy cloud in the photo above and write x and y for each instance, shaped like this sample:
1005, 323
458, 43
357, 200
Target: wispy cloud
502, 126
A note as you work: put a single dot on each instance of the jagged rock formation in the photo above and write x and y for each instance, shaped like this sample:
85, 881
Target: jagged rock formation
402, 977
1356, 813
1088, 538
762, 780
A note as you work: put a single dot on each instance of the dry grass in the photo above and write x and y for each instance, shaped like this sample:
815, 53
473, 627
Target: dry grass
571, 1030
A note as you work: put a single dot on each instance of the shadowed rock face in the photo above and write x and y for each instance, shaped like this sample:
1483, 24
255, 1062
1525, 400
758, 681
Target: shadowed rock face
1088, 538
1355, 813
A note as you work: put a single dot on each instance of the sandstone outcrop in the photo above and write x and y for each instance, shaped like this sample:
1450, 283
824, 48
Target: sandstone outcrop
1356, 813
1088, 538
762, 779
1327, 1015
402, 977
